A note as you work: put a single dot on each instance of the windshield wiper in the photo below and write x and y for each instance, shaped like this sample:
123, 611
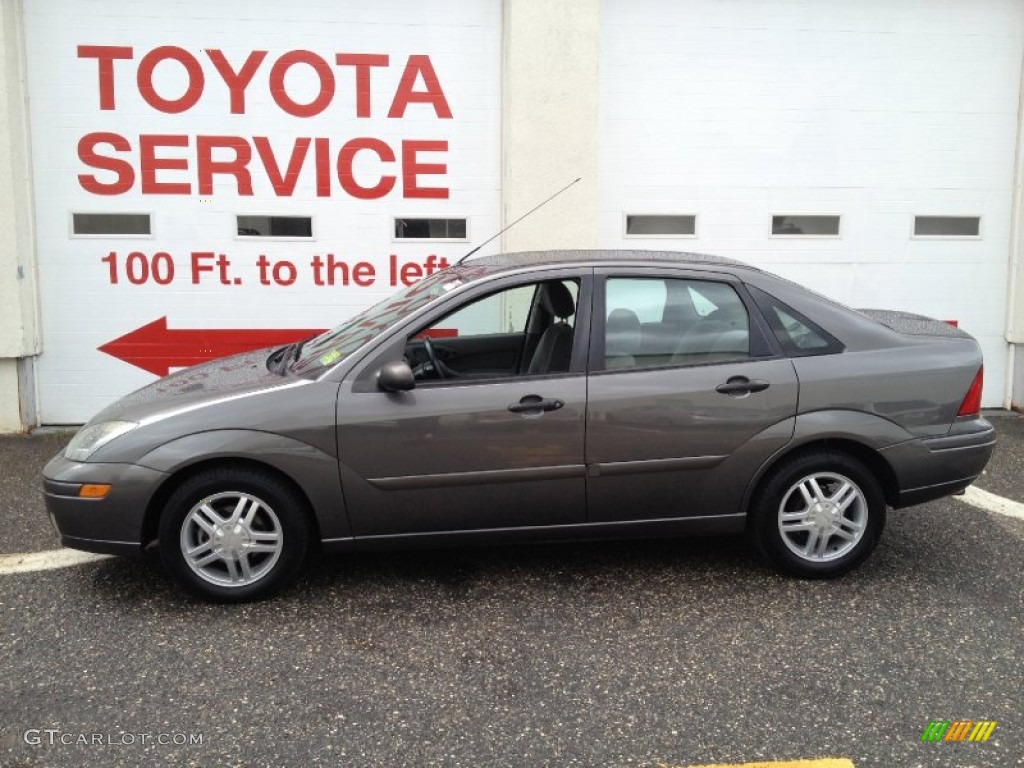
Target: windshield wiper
279, 359
293, 356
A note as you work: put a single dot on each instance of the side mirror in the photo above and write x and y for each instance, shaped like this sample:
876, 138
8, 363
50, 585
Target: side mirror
396, 377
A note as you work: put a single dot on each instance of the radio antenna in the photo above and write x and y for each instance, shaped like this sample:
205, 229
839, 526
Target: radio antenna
509, 226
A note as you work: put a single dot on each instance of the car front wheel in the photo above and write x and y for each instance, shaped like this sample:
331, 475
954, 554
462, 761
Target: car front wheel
818, 515
233, 534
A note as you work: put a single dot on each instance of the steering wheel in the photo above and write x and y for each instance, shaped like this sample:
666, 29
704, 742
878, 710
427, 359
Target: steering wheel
428, 347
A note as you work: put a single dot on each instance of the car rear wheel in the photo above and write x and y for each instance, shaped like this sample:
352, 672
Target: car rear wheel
233, 534
818, 515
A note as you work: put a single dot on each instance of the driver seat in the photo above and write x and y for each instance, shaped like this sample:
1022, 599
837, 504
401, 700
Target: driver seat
554, 349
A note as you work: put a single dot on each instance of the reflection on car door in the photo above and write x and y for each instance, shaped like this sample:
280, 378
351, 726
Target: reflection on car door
466, 454
686, 400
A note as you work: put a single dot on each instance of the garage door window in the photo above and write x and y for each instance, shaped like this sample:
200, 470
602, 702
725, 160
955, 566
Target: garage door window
431, 229
805, 226
654, 321
661, 225
110, 224
947, 226
287, 227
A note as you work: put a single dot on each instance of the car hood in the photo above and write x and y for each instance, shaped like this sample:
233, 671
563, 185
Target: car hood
224, 378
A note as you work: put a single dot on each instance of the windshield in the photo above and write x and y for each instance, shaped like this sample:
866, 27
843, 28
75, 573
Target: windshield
335, 345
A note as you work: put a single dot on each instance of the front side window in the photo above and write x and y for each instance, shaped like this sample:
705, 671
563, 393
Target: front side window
503, 312
523, 330
666, 321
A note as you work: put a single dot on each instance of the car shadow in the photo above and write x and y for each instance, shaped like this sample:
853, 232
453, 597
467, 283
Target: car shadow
920, 550
458, 573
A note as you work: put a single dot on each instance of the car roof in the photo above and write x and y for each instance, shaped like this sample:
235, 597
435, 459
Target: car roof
605, 257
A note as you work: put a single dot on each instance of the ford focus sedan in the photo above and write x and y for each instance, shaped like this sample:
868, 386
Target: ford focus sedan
536, 397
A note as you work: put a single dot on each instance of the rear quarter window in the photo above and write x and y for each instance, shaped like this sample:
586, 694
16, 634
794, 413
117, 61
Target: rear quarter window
797, 335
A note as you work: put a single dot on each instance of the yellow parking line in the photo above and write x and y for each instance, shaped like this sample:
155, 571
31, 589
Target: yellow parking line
829, 762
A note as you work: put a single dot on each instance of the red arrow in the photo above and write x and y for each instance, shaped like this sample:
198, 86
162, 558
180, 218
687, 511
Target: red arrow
156, 348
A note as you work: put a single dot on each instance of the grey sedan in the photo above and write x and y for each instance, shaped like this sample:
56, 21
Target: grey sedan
538, 396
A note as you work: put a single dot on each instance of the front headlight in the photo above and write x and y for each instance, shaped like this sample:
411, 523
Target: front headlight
92, 436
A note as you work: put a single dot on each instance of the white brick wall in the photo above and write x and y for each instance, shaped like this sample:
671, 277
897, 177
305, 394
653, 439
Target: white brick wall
873, 110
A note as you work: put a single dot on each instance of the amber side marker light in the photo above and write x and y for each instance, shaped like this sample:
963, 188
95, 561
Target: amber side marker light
971, 406
93, 491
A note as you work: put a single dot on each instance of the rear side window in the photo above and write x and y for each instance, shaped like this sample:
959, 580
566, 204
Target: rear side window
667, 321
798, 336
644, 297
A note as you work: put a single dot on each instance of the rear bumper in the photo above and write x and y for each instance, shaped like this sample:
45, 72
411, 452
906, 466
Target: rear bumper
931, 468
112, 525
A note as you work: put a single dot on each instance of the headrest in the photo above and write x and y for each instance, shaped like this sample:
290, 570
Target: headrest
622, 322
557, 300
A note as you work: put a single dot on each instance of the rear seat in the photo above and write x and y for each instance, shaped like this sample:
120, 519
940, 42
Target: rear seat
658, 342
666, 343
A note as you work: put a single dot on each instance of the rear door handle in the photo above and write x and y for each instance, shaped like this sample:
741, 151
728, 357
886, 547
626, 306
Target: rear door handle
535, 404
738, 386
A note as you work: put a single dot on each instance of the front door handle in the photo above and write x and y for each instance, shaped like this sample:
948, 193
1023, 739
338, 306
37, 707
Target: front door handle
738, 386
535, 404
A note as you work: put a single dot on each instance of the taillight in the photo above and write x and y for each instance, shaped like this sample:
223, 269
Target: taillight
971, 405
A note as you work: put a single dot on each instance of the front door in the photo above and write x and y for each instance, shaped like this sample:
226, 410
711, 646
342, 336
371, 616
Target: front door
492, 436
687, 398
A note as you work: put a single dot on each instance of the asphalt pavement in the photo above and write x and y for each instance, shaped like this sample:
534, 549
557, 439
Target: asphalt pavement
613, 654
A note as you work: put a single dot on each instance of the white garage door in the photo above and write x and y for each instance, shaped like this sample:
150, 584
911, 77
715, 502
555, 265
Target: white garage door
865, 149
218, 176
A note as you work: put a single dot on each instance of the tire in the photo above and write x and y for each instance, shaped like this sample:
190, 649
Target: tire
248, 533
818, 515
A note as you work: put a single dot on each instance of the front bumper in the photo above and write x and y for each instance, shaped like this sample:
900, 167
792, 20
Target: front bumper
931, 468
112, 525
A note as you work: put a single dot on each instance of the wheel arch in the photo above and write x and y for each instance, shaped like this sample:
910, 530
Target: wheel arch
151, 518
867, 455
312, 470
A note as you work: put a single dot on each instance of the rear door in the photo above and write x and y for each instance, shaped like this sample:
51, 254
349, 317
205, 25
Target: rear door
688, 395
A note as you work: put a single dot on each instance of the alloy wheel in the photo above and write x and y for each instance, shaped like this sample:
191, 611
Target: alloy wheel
231, 539
822, 517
